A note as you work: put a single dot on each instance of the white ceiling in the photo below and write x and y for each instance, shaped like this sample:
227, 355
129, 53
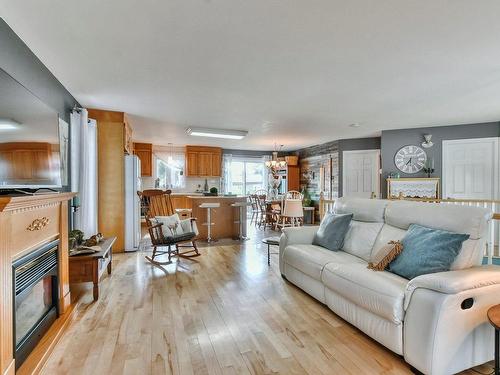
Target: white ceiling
296, 72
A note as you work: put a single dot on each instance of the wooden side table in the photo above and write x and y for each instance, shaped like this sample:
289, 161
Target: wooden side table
494, 318
90, 267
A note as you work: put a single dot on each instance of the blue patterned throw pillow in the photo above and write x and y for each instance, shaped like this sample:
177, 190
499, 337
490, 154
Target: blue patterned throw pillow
427, 250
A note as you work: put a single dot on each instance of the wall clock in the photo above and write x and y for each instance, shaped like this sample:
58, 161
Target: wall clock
410, 159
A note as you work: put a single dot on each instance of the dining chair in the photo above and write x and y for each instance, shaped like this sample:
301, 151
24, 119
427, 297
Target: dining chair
253, 198
293, 194
293, 214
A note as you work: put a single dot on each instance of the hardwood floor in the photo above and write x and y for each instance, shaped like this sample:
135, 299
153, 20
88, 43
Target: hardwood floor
225, 312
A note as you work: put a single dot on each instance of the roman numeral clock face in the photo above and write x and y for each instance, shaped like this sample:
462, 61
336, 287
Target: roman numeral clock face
410, 159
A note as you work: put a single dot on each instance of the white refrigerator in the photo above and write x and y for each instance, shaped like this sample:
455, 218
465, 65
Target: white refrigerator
132, 203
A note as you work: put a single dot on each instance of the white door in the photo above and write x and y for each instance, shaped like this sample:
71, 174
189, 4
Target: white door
470, 168
361, 173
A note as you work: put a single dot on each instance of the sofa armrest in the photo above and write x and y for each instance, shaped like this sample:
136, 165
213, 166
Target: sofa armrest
454, 282
442, 334
294, 236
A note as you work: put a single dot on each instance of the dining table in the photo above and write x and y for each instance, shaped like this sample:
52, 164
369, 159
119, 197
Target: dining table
275, 206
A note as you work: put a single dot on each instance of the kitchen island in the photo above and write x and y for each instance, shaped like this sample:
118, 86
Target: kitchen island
223, 218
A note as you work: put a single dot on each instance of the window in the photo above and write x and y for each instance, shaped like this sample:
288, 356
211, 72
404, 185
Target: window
247, 176
170, 170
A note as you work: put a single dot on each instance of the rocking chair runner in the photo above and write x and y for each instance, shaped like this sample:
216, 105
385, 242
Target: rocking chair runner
161, 205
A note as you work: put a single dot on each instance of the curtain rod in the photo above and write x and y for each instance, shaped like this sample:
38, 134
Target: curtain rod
77, 109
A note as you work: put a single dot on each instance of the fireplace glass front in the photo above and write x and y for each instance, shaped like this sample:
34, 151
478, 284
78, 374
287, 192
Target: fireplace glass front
35, 298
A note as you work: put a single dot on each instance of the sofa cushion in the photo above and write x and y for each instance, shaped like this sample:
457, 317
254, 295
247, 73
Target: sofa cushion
332, 230
368, 210
360, 238
381, 293
386, 234
427, 250
310, 259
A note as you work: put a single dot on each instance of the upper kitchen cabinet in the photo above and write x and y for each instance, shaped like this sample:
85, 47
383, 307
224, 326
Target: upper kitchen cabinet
145, 153
203, 161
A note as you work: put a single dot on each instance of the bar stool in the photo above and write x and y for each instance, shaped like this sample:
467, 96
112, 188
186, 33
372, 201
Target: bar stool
241, 220
209, 223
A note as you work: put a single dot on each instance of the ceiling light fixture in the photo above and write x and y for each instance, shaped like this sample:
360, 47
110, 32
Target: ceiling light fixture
217, 133
355, 125
275, 164
8, 124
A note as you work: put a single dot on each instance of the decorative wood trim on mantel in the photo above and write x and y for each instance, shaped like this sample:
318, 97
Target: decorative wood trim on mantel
17, 214
11, 203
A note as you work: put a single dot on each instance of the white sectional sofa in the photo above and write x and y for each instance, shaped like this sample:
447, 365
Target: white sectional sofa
437, 321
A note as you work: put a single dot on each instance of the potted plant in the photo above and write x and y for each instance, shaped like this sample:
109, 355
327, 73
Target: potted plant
214, 191
307, 200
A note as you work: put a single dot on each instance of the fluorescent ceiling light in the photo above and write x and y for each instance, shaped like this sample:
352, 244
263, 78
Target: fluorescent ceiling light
217, 133
8, 124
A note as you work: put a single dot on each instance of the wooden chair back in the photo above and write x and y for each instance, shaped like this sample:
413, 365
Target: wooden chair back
260, 192
253, 198
293, 194
159, 202
146, 195
161, 205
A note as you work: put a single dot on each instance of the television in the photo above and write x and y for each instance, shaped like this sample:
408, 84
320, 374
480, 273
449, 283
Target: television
30, 140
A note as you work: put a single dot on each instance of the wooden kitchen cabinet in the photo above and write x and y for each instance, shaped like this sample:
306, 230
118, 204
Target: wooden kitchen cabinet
191, 163
203, 161
217, 164
293, 177
145, 153
180, 201
205, 164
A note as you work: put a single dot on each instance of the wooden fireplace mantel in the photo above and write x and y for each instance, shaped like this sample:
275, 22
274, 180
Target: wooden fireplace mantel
26, 222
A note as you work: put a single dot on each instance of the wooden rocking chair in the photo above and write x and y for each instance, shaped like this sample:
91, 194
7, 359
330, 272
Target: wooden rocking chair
161, 205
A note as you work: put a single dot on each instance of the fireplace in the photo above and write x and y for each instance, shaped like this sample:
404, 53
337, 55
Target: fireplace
35, 291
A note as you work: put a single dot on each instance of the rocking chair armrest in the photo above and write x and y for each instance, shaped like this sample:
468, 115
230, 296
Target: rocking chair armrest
157, 225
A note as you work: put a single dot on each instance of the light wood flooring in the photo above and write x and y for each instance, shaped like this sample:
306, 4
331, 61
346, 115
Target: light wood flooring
225, 312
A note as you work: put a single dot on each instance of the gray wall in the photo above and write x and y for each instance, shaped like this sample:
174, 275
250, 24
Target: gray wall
337, 147
393, 140
22, 64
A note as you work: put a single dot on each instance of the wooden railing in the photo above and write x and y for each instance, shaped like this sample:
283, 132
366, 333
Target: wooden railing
492, 249
325, 205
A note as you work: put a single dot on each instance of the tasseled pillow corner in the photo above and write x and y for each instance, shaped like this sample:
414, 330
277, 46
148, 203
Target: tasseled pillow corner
385, 256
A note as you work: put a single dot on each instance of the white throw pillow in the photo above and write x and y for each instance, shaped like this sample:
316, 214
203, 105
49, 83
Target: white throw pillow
171, 225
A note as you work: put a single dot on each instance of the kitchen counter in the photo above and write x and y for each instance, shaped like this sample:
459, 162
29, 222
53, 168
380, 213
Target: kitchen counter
223, 217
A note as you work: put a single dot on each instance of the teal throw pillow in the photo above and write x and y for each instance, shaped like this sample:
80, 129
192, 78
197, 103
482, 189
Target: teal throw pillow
332, 231
427, 250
